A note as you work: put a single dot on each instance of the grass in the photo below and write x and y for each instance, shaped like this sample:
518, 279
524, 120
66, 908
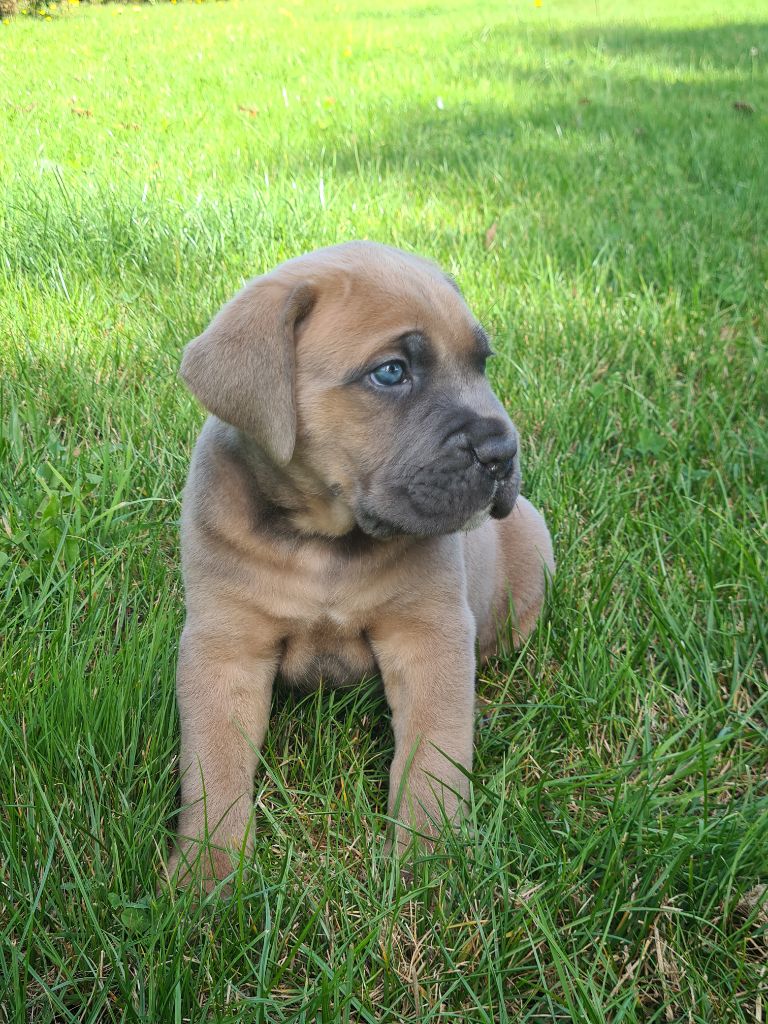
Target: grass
150, 159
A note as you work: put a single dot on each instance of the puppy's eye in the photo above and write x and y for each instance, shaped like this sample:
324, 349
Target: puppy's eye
389, 374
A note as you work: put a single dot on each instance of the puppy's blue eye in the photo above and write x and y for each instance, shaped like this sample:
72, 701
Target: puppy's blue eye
389, 374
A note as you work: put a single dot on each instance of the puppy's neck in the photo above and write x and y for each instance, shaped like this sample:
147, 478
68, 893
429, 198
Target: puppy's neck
322, 513
297, 496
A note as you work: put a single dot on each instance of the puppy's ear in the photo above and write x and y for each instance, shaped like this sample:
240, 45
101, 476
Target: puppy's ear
241, 367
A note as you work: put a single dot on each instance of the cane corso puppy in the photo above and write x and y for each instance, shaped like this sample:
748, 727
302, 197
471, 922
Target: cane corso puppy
352, 509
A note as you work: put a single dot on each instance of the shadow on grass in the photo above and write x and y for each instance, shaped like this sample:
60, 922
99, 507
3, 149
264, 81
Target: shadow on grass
724, 46
646, 145
592, 80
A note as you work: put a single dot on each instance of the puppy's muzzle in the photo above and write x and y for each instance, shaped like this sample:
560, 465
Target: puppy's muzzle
493, 443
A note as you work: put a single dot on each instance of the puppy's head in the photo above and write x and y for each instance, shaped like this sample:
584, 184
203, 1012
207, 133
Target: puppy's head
361, 371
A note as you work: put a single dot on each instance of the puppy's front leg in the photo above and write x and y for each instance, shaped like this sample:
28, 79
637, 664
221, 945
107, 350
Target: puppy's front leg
427, 661
224, 691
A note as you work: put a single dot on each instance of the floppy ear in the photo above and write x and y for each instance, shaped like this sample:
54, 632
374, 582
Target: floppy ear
241, 366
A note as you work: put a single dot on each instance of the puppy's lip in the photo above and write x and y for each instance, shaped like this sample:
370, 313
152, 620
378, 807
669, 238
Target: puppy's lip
381, 528
505, 497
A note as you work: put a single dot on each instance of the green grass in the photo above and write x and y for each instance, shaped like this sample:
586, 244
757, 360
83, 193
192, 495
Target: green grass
152, 158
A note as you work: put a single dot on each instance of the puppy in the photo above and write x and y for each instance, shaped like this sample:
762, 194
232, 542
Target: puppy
352, 509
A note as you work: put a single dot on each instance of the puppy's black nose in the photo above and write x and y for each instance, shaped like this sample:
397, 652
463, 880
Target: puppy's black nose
496, 453
501, 470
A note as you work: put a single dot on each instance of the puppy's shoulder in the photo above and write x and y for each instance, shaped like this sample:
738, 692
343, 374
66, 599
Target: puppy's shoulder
215, 460
222, 500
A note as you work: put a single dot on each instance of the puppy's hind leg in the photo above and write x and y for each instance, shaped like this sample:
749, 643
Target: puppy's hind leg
525, 561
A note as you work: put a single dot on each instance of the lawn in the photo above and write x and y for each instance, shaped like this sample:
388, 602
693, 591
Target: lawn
595, 175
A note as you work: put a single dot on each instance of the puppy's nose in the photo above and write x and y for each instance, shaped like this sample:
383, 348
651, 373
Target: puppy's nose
496, 453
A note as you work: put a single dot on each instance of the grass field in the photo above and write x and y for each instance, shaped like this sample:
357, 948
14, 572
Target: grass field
595, 174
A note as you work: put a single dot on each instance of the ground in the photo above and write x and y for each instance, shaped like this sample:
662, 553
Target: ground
594, 174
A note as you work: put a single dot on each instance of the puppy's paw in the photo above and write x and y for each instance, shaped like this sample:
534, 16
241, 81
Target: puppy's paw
199, 865
406, 841
408, 847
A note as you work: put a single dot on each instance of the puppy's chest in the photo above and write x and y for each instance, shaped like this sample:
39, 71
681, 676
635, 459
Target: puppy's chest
327, 606
328, 654
317, 592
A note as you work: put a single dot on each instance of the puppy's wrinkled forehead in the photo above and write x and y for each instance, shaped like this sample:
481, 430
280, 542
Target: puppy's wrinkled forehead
369, 296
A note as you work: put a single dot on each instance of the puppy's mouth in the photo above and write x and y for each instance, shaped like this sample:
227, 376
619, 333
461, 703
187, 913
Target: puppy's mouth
405, 521
381, 526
